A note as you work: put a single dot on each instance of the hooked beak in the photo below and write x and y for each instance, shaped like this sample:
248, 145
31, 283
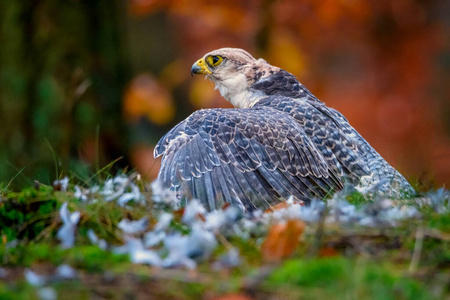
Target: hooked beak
200, 67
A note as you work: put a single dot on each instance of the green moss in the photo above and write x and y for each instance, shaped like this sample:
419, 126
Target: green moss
17, 291
92, 258
440, 221
24, 215
31, 217
322, 272
356, 198
341, 278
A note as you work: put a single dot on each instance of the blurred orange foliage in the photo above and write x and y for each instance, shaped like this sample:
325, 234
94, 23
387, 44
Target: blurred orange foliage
141, 156
375, 61
145, 97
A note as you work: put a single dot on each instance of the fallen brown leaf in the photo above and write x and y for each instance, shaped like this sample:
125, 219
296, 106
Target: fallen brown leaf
327, 252
282, 240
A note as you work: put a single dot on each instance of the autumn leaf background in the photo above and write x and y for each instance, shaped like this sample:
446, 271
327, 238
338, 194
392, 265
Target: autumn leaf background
88, 87
84, 83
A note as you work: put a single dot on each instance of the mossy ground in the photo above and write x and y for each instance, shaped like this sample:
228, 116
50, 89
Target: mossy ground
347, 262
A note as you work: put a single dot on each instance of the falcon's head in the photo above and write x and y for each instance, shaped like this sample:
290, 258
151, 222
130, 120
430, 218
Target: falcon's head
234, 71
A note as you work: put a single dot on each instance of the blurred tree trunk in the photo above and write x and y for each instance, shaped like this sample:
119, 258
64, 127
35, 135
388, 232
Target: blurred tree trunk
61, 79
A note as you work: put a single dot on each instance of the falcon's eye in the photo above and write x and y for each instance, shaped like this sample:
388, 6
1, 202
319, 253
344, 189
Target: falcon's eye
214, 60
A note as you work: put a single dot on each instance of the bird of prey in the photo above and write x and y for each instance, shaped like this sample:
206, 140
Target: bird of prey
279, 141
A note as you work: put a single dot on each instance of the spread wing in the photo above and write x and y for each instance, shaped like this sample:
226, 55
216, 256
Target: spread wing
346, 152
250, 158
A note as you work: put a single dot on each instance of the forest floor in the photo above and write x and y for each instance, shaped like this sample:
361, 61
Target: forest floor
112, 239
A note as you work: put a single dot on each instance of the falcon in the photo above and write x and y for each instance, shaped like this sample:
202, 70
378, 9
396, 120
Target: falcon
279, 141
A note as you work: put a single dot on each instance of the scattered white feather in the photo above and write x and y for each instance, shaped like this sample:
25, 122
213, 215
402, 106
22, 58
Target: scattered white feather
439, 200
65, 272
165, 246
164, 222
33, 278
79, 194
133, 227
192, 211
398, 213
66, 234
217, 219
95, 240
121, 188
228, 260
12, 244
62, 183
176, 244
185, 249
202, 242
308, 213
126, 197
47, 293
142, 256
3, 272
164, 196
138, 253
158, 234
153, 238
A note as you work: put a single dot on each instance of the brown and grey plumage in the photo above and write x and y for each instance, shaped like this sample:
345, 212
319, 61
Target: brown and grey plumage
279, 141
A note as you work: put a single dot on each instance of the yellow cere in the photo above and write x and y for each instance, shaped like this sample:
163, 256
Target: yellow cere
204, 68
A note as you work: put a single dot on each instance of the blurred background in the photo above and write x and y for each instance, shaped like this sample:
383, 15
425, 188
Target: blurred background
86, 84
